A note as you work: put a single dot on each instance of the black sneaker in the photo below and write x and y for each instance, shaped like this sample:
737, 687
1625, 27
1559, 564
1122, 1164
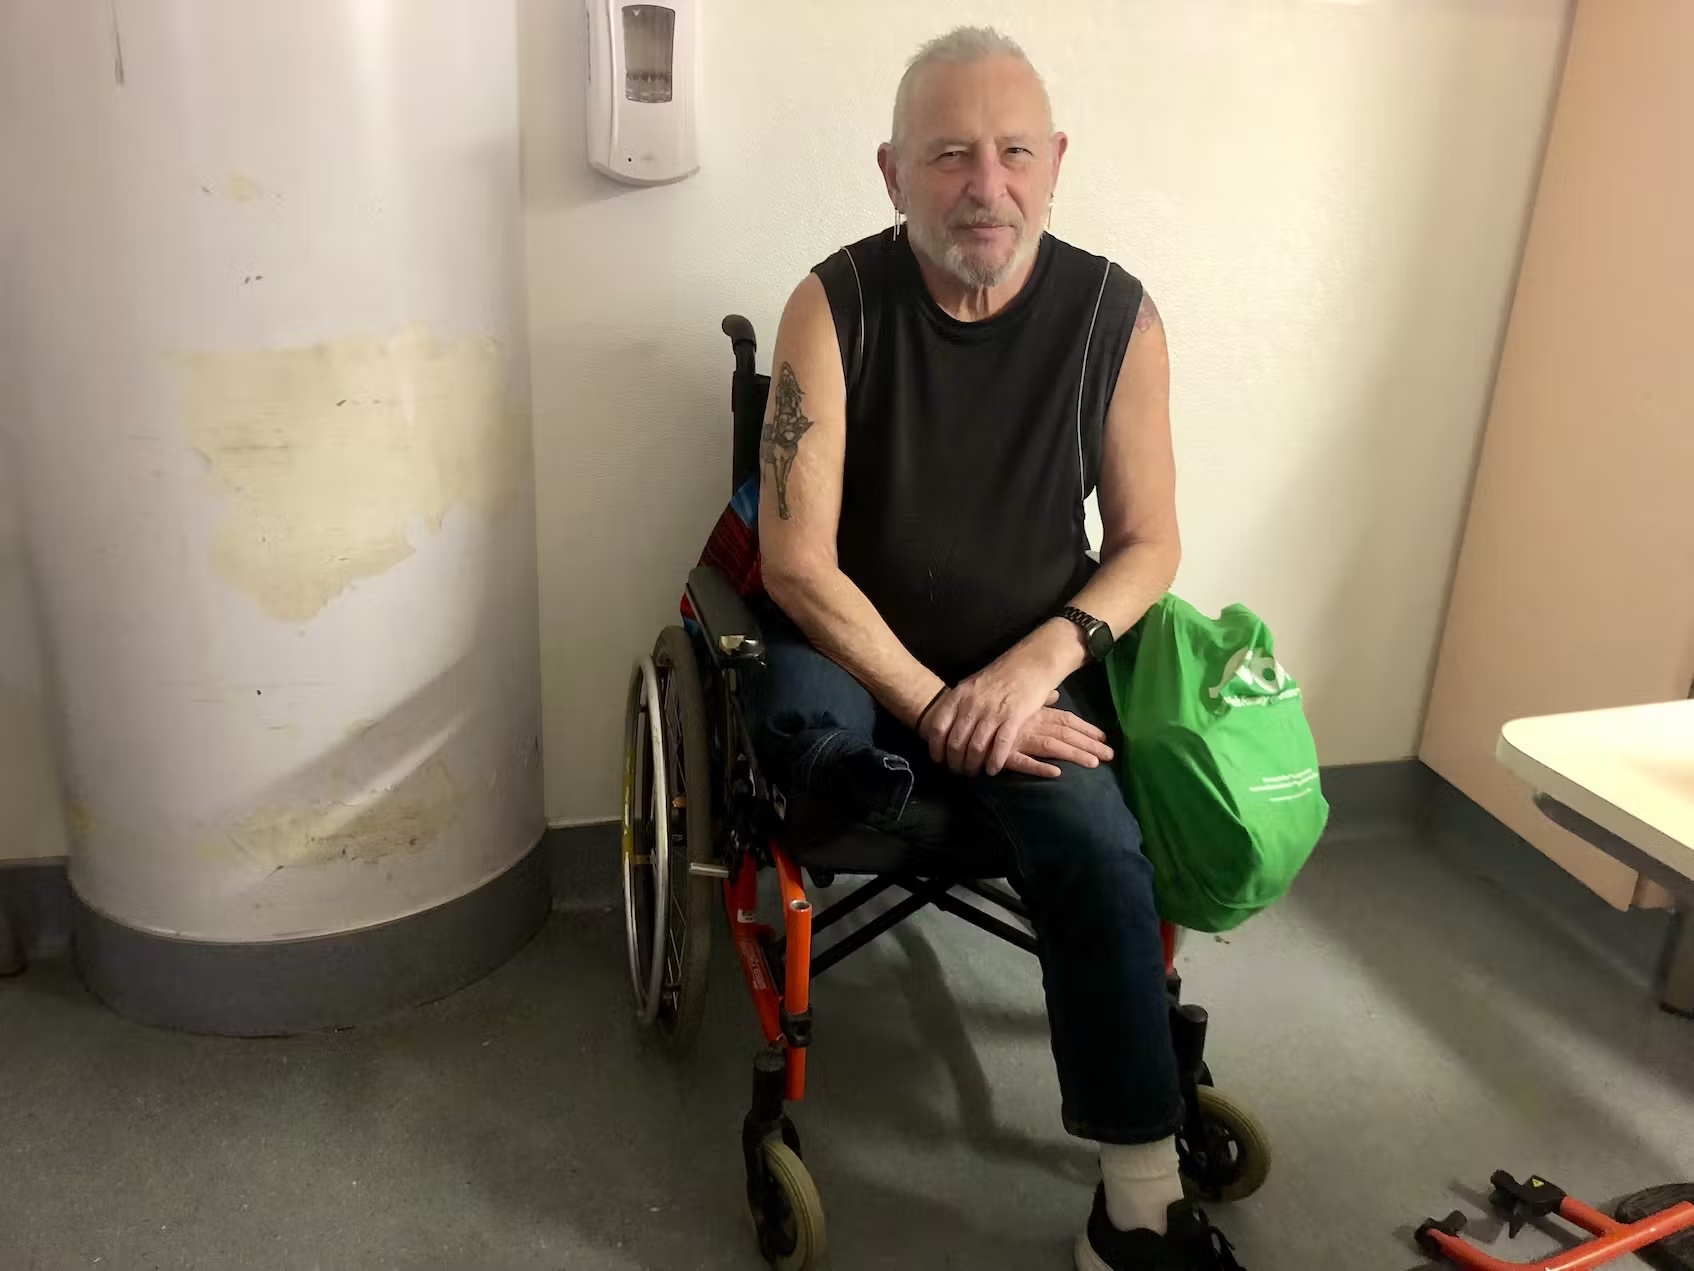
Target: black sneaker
1190, 1244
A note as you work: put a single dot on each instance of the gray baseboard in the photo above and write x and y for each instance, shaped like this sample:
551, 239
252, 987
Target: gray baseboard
11, 952
280, 987
1367, 797
584, 864
35, 901
1472, 839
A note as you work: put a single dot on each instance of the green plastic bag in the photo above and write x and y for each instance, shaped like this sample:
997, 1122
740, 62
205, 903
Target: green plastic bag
1220, 766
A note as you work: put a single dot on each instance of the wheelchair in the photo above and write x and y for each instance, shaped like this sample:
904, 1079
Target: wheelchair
701, 821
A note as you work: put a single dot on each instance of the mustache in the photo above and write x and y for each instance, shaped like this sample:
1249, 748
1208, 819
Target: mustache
984, 218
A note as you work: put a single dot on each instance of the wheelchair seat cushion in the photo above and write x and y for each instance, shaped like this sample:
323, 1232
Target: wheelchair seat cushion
933, 837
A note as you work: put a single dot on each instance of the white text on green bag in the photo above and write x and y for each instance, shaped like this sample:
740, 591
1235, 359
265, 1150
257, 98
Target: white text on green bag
1261, 673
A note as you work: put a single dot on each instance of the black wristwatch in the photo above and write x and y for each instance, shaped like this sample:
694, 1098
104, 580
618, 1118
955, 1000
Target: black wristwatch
1095, 634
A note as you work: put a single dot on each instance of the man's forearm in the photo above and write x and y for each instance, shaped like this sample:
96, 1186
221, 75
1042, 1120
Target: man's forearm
1125, 586
1128, 581
843, 625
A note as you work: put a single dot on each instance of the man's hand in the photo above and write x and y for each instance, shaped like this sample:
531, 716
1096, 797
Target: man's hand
1055, 734
977, 726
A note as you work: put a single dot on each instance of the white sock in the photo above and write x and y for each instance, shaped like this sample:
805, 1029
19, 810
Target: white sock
1142, 1181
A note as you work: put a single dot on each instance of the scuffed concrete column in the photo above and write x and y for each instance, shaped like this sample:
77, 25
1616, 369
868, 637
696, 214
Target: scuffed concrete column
266, 318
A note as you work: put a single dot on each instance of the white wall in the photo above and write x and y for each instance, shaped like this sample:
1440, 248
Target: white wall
30, 825
1326, 199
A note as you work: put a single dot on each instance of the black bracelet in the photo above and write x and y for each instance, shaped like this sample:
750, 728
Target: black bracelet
924, 713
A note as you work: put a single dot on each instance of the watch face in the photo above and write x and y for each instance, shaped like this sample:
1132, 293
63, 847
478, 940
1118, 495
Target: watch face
1100, 640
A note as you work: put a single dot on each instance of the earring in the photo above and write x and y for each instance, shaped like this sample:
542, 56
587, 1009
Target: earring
897, 219
1049, 214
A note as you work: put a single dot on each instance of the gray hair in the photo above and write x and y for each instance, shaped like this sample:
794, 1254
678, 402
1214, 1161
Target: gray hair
961, 44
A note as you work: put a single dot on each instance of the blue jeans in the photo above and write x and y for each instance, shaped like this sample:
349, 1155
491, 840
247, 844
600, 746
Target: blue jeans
1079, 869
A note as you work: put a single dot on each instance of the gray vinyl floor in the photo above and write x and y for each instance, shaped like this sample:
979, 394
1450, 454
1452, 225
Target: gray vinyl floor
1420, 1012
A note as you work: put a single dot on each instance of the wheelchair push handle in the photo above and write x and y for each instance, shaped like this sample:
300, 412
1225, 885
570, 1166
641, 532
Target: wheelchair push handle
742, 339
739, 329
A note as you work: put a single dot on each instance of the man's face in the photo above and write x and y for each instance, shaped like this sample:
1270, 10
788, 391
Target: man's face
976, 167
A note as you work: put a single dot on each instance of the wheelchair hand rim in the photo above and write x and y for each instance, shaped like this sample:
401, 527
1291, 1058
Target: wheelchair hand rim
644, 702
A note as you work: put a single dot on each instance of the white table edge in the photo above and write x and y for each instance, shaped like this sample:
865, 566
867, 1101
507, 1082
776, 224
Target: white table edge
1655, 842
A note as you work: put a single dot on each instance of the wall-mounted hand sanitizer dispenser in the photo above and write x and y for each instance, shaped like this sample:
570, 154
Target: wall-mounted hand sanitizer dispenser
642, 80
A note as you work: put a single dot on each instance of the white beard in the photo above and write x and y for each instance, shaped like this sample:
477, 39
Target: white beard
946, 253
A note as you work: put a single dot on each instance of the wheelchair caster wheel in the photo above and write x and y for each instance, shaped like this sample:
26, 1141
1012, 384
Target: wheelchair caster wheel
787, 1211
1237, 1151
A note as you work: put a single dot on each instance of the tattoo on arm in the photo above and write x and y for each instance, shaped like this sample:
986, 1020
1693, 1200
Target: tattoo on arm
1148, 314
779, 444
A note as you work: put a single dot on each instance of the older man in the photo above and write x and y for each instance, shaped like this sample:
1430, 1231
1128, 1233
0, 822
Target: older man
944, 401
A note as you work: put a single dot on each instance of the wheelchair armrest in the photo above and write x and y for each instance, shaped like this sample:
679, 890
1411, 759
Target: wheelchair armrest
732, 632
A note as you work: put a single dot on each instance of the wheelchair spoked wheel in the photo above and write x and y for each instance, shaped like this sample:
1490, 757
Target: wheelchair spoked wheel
667, 828
1238, 1150
787, 1211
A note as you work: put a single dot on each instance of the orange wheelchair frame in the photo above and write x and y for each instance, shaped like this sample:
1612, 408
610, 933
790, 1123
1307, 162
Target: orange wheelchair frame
779, 1011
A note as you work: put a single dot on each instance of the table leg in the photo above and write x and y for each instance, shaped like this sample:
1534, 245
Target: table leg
1676, 993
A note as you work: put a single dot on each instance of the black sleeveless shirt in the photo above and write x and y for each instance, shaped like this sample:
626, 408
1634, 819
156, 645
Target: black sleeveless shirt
972, 445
